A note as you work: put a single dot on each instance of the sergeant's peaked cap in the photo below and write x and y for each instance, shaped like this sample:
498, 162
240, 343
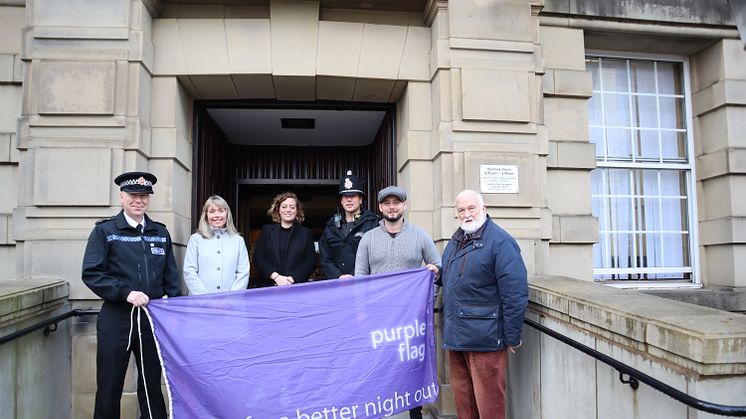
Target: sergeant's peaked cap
136, 182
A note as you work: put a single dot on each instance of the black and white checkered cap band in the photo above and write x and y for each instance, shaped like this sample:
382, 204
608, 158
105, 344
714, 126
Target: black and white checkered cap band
139, 181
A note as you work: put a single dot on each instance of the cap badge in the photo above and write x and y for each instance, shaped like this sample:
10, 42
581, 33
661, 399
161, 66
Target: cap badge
141, 181
348, 183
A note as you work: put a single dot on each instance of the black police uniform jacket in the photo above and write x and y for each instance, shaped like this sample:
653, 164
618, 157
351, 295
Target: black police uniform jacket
118, 260
337, 250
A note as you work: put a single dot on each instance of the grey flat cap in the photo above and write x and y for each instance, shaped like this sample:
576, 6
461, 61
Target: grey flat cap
392, 190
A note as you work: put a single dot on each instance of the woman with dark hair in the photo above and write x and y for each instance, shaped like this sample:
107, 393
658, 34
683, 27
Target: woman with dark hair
216, 259
284, 253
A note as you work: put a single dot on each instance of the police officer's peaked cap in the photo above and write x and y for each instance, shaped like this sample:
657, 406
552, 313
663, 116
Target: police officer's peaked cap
350, 185
136, 182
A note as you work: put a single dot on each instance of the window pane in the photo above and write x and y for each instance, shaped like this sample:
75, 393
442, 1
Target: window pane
617, 110
622, 250
619, 144
591, 66
621, 217
618, 182
673, 183
645, 111
673, 145
643, 76
649, 182
647, 146
614, 75
594, 111
669, 78
650, 250
675, 250
596, 136
672, 112
674, 214
648, 214
597, 182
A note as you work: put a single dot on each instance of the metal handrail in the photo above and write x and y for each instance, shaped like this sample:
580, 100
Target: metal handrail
49, 325
635, 376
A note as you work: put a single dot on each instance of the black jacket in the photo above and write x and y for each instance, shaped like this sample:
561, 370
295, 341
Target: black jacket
119, 260
301, 255
337, 250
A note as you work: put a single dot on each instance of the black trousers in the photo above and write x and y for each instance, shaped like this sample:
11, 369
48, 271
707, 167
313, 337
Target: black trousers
112, 359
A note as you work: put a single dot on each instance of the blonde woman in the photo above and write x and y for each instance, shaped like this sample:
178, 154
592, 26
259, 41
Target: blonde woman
284, 253
216, 258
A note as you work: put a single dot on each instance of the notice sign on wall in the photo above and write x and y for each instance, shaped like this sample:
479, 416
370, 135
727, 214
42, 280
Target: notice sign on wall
498, 178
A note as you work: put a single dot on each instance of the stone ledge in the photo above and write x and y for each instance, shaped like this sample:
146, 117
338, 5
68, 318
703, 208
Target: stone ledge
718, 297
723, 231
567, 83
575, 229
723, 162
571, 155
21, 298
722, 93
705, 340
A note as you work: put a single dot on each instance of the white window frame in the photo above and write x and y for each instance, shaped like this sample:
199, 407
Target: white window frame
691, 179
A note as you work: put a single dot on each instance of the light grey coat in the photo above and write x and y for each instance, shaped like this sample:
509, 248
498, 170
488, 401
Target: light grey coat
217, 264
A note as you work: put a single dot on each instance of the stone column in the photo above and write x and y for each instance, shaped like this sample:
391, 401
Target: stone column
11, 75
86, 116
567, 87
487, 109
718, 99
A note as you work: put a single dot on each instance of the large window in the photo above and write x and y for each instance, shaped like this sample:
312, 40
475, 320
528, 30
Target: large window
642, 186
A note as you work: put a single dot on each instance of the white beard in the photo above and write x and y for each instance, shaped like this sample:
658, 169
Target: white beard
474, 225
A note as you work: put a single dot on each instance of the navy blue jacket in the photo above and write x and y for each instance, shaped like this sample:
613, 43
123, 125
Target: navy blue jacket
119, 260
485, 291
337, 250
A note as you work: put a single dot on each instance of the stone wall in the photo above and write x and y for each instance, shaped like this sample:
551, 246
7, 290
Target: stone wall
34, 369
11, 90
697, 350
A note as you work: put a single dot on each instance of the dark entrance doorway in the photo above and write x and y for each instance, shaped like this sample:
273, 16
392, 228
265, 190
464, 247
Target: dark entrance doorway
243, 153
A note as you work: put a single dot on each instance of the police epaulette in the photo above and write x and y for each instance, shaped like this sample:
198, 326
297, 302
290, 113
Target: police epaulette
106, 219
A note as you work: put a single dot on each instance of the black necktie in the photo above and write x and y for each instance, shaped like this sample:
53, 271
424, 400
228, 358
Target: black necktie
139, 229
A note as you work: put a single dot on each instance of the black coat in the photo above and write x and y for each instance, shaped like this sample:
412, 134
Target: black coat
301, 255
337, 250
119, 260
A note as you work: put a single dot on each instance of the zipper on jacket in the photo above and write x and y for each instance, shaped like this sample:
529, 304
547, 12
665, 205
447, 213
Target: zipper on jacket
463, 262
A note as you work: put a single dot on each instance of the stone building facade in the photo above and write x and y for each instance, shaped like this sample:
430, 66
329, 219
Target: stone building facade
620, 124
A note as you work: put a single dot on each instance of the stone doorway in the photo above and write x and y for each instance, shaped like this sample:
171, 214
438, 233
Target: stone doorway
249, 152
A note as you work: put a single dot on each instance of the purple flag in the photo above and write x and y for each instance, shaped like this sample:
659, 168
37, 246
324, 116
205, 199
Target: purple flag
339, 349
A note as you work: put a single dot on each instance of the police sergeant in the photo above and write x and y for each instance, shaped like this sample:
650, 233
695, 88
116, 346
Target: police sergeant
342, 234
129, 261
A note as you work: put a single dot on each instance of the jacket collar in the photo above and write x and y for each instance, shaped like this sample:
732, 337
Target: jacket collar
365, 216
122, 223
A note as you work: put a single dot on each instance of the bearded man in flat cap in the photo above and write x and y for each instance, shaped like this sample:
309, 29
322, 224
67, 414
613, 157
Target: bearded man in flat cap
129, 261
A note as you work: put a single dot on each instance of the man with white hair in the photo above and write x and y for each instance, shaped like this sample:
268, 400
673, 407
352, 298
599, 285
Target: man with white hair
485, 297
